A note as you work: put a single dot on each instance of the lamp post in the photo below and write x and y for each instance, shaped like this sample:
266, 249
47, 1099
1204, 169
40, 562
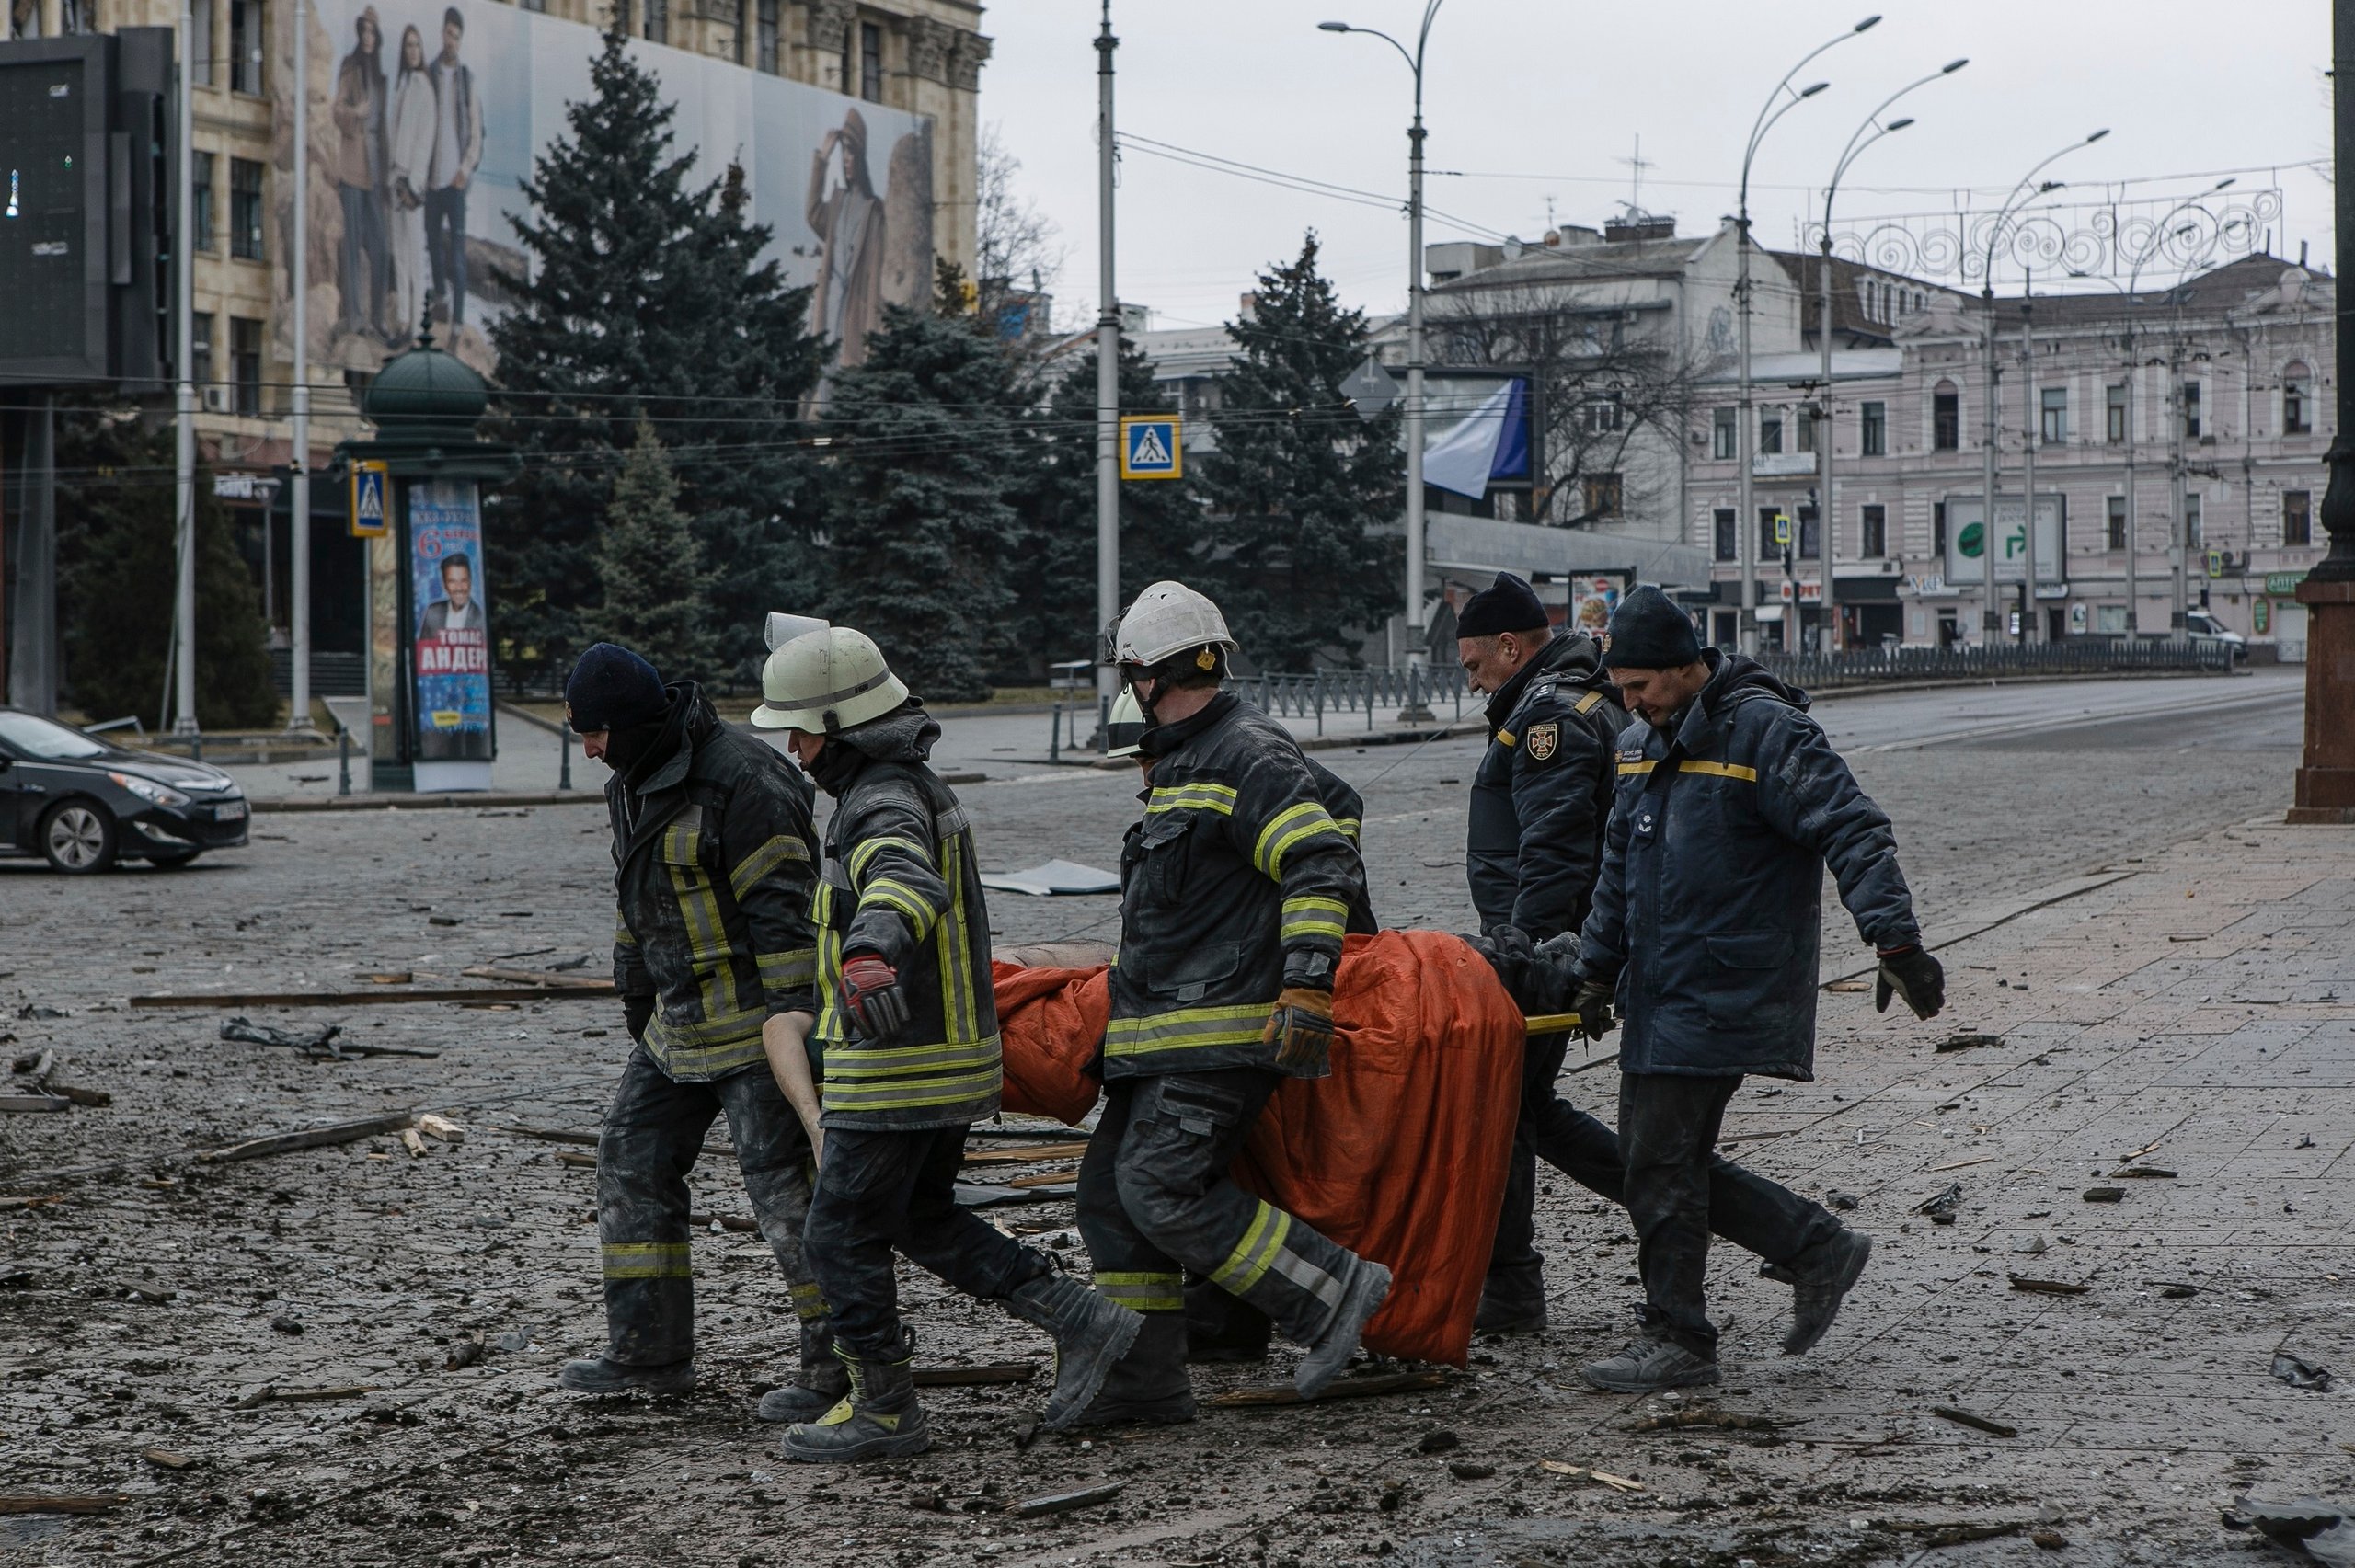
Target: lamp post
1828, 516
1775, 106
1989, 619
1418, 656
1108, 386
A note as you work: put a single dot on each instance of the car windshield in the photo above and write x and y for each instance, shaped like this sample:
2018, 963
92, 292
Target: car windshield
46, 740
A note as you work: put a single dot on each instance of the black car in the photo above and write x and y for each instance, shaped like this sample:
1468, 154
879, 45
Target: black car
83, 804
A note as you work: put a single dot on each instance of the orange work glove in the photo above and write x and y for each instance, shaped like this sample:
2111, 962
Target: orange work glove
1301, 1028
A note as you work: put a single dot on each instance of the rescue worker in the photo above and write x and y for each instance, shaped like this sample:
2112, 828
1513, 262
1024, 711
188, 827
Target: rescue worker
907, 1042
1704, 932
1533, 845
1237, 888
714, 962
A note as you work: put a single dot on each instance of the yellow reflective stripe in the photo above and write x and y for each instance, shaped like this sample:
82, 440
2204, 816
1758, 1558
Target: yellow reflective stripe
905, 898
1645, 766
1348, 826
1143, 1292
622, 933
1586, 704
1504, 737
1303, 820
1254, 1253
1310, 926
959, 1003
712, 1030
830, 1025
976, 1087
809, 1302
764, 859
1308, 915
795, 967
646, 1260
1197, 796
867, 849
1719, 770
1185, 1028
852, 1060
708, 1061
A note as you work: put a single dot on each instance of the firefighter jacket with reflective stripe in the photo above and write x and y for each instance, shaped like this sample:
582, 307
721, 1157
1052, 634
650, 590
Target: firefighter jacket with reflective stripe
1709, 908
901, 881
713, 873
1347, 811
1542, 791
1237, 883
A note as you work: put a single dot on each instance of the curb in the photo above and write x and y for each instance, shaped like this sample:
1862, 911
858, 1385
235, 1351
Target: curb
297, 805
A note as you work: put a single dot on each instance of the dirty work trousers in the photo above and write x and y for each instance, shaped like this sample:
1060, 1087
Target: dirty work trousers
1744, 1208
1154, 1199
1677, 1190
885, 1188
653, 1133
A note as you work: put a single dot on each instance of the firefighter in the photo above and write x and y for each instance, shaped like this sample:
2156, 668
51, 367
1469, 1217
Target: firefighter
907, 1045
716, 965
1237, 888
1703, 933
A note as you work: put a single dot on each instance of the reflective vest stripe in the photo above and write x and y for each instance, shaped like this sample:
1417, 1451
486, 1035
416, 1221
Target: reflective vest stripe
1253, 1255
646, 1260
764, 859
1142, 1292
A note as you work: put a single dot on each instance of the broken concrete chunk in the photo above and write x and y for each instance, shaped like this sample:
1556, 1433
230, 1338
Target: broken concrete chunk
2300, 1374
1470, 1469
2103, 1195
1942, 1208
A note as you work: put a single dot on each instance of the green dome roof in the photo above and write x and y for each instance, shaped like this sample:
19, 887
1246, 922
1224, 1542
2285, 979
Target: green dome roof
426, 393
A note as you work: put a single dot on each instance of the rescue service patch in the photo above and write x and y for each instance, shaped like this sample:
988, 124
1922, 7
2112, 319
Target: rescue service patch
1543, 739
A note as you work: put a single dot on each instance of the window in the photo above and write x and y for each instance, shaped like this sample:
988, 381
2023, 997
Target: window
541, 6
199, 372
245, 209
2052, 408
1873, 430
1600, 493
2114, 530
244, 364
2191, 410
1945, 417
1769, 548
2297, 516
1938, 530
1770, 429
1727, 546
1874, 541
1724, 433
2294, 419
200, 46
2110, 618
1810, 537
199, 199
658, 21
765, 49
1805, 417
2195, 528
870, 62
246, 42
2114, 410
1601, 416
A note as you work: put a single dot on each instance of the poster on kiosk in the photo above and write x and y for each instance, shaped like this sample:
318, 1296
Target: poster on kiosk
450, 637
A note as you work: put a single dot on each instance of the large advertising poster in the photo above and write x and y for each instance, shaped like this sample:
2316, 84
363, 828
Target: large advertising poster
451, 636
427, 116
1966, 563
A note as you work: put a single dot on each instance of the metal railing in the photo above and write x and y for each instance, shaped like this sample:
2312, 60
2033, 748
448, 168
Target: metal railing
1367, 692
1865, 667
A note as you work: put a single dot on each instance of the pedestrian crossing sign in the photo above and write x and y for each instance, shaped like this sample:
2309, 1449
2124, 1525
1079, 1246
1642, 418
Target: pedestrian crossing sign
1151, 447
369, 482
1781, 528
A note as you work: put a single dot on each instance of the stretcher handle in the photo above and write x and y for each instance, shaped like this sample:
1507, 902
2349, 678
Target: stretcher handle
1549, 1023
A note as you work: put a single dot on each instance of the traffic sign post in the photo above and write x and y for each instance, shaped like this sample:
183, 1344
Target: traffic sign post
1152, 447
371, 484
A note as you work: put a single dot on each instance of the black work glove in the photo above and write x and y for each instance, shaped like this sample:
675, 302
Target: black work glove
1592, 1003
1910, 973
638, 1012
872, 997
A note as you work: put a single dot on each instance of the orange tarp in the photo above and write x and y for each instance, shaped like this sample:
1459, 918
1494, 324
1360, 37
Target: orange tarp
1399, 1155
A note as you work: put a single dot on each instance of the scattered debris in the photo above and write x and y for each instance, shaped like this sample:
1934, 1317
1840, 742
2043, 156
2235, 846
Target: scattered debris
2175, 1289
514, 1342
975, 1376
441, 1128
390, 978
1065, 1502
2300, 1374
464, 1351
317, 1044
2047, 1287
2306, 1141
2143, 1172
1580, 1472
42, 1011
35, 1103
440, 919
1025, 1156
413, 1144
1057, 878
2051, 1540
1347, 1388
1470, 1469
1969, 1039
471, 995
1707, 1415
722, 1222
2032, 1246
1941, 1208
1439, 1440
166, 1459
1958, 1164
576, 1160
150, 1296
1964, 1418
979, 1195
2316, 1530
60, 1505
1931, 1536
284, 1325
316, 1138
1843, 1202
269, 1392
550, 977
2103, 1195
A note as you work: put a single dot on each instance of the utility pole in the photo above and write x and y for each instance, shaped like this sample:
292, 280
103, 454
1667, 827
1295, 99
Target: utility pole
2031, 432
1108, 384
1992, 620
298, 470
2179, 529
1827, 512
2133, 391
184, 402
1414, 710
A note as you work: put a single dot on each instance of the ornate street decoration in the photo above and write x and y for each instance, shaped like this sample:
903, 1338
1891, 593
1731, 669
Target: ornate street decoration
2161, 236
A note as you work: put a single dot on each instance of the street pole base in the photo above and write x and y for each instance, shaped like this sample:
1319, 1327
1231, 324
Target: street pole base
1417, 713
2320, 817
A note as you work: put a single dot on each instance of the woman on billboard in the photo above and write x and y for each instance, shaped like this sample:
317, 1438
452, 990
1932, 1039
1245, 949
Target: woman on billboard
411, 152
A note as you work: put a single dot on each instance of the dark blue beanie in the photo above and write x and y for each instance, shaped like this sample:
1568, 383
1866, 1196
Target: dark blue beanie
1508, 604
1649, 633
612, 687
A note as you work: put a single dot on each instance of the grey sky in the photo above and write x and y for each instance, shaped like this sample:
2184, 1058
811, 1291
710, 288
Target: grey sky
1561, 88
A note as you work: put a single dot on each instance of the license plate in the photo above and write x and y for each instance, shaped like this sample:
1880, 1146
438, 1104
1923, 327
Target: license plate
233, 811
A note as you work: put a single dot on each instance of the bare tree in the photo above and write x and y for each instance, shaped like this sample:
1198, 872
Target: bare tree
1018, 252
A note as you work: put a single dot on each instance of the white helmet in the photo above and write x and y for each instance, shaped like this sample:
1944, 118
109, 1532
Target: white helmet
828, 681
1168, 619
1125, 729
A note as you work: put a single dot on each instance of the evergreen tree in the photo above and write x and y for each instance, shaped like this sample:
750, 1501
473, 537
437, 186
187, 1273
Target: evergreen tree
1162, 523
647, 302
117, 571
1305, 496
650, 567
922, 539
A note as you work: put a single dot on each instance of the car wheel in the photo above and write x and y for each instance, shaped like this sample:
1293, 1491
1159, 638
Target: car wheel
78, 837
173, 861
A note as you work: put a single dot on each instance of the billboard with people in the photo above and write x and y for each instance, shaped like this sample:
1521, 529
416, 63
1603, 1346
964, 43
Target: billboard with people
427, 117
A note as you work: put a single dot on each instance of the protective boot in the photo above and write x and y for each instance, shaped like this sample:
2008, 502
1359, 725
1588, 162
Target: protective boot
818, 1387
600, 1375
1821, 1278
1368, 1284
1511, 1302
1218, 1328
879, 1419
1091, 1333
1150, 1382
1652, 1362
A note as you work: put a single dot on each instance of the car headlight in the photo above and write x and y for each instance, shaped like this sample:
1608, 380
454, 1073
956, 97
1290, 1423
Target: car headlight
149, 790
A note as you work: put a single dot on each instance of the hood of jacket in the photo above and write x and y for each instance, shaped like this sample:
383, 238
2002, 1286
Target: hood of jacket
1571, 656
906, 734
690, 721
1733, 678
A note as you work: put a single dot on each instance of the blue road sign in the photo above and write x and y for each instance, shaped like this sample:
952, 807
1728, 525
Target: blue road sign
1152, 447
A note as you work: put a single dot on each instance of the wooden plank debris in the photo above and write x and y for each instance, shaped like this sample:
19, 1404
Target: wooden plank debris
35, 1103
28, 1504
1025, 1156
1980, 1423
2047, 1287
1580, 1472
1065, 1502
365, 998
1707, 1415
551, 978
313, 1138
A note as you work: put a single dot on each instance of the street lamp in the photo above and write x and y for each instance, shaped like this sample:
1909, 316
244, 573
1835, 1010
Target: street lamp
1775, 106
1418, 656
1828, 514
2029, 188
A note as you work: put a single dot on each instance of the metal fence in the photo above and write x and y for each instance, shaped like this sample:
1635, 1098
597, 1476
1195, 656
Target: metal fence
1867, 667
1439, 688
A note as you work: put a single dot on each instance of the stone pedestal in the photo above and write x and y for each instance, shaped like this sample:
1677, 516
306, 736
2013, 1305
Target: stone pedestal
2325, 792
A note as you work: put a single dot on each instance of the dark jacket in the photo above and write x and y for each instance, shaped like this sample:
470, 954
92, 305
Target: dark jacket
1709, 908
713, 872
1543, 791
902, 881
1347, 811
1237, 883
